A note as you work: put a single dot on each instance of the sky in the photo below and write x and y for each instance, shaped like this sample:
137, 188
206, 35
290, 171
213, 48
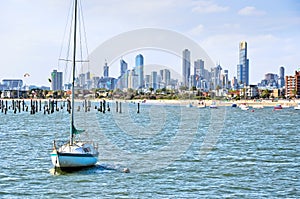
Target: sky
31, 33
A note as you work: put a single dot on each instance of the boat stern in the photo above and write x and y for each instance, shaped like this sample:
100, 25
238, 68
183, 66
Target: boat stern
54, 158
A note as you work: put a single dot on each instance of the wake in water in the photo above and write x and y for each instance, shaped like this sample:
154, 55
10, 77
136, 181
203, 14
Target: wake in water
98, 169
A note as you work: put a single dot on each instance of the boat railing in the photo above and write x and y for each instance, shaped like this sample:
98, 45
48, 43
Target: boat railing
59, 143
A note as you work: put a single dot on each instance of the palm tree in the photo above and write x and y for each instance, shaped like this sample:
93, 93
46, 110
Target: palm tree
151, 89
294, 92
265, 93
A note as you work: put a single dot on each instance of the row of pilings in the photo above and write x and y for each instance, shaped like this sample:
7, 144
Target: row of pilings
50, 106
32, 106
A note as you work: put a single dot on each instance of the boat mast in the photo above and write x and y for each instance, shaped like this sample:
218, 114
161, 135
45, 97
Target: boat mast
73, 76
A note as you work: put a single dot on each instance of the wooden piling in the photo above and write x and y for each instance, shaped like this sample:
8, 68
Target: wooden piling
101, 104
36, 107
85, 106
69, 106
104, 105
13, 104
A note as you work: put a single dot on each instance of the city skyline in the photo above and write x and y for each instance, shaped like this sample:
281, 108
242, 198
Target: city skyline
31, 40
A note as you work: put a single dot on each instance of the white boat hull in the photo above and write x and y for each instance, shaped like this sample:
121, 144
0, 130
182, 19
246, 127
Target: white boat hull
80, 154
244, 108
69, 160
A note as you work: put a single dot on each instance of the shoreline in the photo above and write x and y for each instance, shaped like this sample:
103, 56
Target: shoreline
266, 103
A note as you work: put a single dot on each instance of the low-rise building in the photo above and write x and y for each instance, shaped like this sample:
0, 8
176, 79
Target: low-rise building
292, 85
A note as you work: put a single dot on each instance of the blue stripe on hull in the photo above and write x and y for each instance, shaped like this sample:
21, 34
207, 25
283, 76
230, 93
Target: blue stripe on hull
73, 160
77, 155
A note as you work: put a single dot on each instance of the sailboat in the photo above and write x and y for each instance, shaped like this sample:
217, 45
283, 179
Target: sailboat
74, 154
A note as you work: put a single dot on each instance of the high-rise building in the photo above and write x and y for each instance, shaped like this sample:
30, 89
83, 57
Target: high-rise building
167, 77
243, 66
198, 72
56, 80
216, 77
139, 63
281, 77
234, 83
95, 81
292, 85
186, 67
88, 80
147, 81
153, 81
123, 67
12, 84
105, 70
161, 73
225, 80
81, 79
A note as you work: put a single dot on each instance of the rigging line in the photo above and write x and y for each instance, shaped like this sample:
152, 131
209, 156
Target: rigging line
80, 35
70, 37
84, 31
68, 60
70, 40
65, 30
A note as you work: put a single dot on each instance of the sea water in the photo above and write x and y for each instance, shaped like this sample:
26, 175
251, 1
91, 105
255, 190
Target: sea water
171, 151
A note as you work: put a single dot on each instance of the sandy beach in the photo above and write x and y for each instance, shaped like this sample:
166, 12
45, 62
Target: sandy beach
265, 103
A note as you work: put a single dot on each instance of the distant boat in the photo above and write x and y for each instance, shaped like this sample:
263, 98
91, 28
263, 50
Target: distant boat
74, 154
244, 107
189, 105
297, 107
201, 106
277, 107
213, 105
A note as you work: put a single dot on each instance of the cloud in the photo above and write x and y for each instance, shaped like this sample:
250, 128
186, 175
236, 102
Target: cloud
251, 11
208, 7
196, 30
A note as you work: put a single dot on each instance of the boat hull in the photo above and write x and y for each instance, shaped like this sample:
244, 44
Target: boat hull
73, 160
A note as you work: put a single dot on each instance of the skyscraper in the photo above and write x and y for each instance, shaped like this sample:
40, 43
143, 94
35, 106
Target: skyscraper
186, 67
243, 66
225, 79
123, 67
56, 80
216, 78
281, 77
105, 70
139, 63
198, 71
153, 82
167, 77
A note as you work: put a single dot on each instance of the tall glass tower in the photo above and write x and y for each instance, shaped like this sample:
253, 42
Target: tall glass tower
56, 80
243, 66
186, 67
281, 77
124, 67
105, 70
139, 64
